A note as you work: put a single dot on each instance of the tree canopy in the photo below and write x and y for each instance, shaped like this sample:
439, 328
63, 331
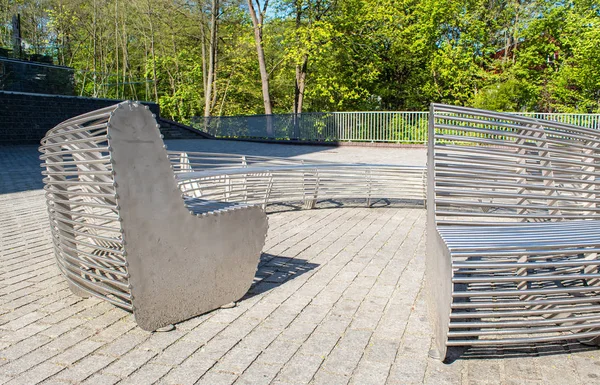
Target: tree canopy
231, 57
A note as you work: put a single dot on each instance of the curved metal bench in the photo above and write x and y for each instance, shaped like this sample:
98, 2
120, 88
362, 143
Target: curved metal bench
264, 180
122, 231
512, 229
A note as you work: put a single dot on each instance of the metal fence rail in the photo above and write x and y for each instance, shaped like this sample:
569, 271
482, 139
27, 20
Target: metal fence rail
41, 78
409, 127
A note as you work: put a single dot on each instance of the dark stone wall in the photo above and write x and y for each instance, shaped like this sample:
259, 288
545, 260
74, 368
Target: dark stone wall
25, 118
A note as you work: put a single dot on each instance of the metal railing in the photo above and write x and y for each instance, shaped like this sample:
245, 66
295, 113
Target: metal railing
41, 78
408, 127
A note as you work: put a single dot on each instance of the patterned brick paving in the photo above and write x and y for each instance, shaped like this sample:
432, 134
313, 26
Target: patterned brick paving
337, 299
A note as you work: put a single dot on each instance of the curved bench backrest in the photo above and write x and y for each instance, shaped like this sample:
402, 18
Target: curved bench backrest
83, 209
93, 201
486, 166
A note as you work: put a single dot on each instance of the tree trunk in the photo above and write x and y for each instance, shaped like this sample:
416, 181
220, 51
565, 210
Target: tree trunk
95, 74
209, 86
152, 52
300, 68
203, 46
300, 77
213, 102
300, 85
117, 47
257, 22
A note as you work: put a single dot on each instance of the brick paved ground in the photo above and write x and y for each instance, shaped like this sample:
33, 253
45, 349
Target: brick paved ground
338, 299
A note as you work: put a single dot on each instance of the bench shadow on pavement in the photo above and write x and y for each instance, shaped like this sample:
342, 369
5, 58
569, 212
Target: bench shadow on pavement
517, 351
324, 204
274, 271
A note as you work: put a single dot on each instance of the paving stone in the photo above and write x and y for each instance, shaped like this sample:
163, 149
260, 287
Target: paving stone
216, 348
102, 379
77, 352
440, 373
83, 369
300, 369
65, 341
260, 338
370, 373
345, 356
147, 374
176, 353
488, 373
28, 331
189, 372
408, 370
159, 341
204, 332
326, 378
517, 369
26, 362
319, 344
258, 374
129, 363
381, 350
217, 378
114, 331
123, 344
52, 381
37, 374
61, 327
236, 360
21, 348
279, 352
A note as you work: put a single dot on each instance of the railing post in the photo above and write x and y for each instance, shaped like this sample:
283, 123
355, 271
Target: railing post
245, 179
369, 181
309, 203
268, 191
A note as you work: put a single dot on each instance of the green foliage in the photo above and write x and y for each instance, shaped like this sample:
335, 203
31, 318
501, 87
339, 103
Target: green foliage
510, 55
510, 95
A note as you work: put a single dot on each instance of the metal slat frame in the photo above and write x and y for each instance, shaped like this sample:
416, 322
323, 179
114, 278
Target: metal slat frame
80, 197
256, 180
512, 226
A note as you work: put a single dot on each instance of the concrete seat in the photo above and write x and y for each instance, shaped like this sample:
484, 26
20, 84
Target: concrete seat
526, 237
124, 232
512, 234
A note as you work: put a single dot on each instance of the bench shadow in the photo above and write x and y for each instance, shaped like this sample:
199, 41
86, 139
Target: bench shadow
323, 204
274, 271
541, 349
